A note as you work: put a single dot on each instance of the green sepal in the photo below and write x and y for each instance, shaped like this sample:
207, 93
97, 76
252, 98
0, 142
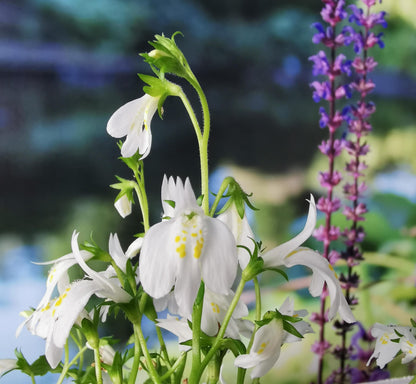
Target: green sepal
159, 87
398, 333
126, 188
167, 57
256, 264
90, 331
115, 370
286, 321
237, 347
132, 162
413, 323
92, 247
395, 340
291, 329
236, 196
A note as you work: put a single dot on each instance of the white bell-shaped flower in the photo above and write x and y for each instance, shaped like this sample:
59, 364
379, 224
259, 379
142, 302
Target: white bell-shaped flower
188, 247
133, 120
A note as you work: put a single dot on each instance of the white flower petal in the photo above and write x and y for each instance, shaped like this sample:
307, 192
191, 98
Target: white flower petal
219, 256
116, 252
123, 206
7, 365
179, 328
158, 266
320, 266
274, 257
134, 248
122, 120
242, 232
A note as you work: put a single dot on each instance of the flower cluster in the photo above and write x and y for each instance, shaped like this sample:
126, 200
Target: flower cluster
186, 273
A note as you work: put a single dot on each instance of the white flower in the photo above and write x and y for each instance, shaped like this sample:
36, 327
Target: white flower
269, 339
386, 349
408, 347
7, 365
133, 120
265, 350
190, 246
123, 206
54, 319
214, 310
288, 254
242, 232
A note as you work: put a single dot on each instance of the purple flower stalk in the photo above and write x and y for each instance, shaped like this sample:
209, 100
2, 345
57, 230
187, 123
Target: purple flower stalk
358, 127
333, 66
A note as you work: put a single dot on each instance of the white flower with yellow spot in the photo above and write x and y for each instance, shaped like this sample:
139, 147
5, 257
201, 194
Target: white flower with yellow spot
289, 254
189, 246
214, 310
265, 350
133, 120
54, 319
389, 341
269, 339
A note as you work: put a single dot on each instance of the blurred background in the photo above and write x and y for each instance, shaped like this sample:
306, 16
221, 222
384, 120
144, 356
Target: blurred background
66, 66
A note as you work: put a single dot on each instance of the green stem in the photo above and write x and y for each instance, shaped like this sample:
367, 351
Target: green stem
413, 381
136, 360
196, 335
151, 369
72, 362
217, 343
223, 187
97, 360
203, 146
33, 378
192, 115
258, 310
141, 195
174, 367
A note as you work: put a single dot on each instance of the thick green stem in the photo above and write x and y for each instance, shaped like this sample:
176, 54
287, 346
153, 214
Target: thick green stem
98, 371
149, 363
196, 335
136, 360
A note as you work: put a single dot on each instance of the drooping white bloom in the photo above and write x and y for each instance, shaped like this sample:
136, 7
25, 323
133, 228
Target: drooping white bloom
54, 319
386, 349
123, 206
265, 350
133, 120
242, 232
269, 339
288, 254
189, 246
